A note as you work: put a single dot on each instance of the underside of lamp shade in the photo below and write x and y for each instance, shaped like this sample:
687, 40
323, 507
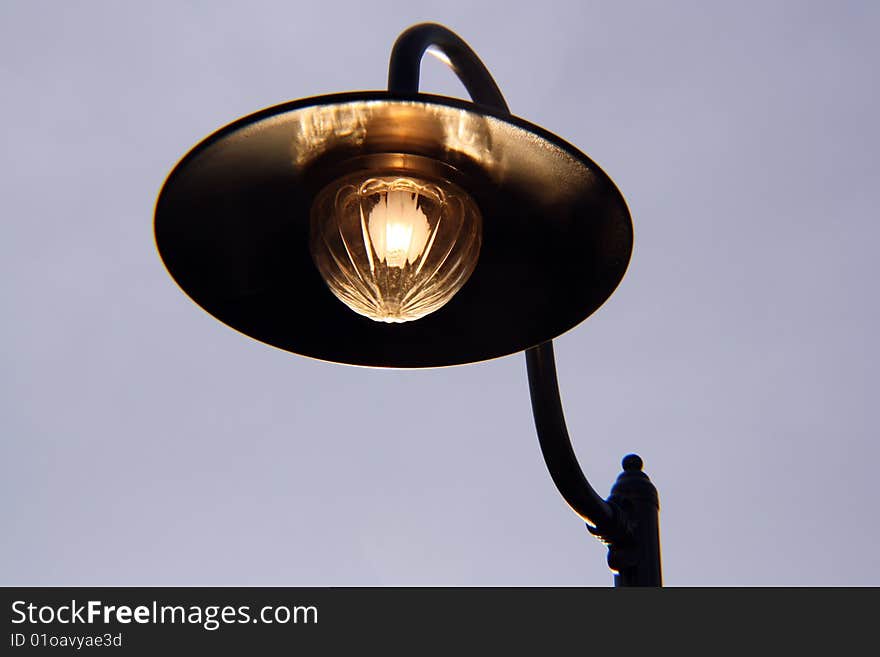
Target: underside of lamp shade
232, 227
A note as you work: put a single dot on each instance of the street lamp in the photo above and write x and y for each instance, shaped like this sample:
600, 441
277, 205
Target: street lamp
400, 229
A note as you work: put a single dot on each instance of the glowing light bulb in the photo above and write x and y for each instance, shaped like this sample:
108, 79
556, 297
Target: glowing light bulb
398, 228
394, 248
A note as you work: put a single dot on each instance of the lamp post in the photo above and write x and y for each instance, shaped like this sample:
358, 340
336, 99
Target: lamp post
400, 229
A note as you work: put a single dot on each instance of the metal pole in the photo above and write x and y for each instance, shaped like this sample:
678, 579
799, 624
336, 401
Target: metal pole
637, 558
628, 520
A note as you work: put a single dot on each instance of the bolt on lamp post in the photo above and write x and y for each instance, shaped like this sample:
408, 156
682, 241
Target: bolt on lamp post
401, 229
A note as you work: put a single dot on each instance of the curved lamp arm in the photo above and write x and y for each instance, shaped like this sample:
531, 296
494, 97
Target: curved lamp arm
627, 521
556, 445
406, 59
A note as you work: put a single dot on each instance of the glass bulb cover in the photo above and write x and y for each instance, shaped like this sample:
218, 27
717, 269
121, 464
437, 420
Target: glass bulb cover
394, 247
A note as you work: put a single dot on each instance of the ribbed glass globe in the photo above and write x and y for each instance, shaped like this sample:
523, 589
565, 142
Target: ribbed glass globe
394, 248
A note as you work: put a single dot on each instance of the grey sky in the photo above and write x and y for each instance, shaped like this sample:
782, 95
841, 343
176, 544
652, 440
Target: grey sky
145, 443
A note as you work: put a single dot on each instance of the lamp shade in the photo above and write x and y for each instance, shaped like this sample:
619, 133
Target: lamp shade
232, 226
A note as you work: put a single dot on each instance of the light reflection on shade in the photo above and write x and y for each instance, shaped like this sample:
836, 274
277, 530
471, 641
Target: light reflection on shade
321, 129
